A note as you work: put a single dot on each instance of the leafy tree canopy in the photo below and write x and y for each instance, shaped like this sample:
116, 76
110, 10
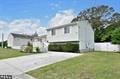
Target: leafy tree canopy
103, 20
116, 36
4, 44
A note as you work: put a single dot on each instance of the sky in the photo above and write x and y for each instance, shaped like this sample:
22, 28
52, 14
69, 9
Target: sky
28, 16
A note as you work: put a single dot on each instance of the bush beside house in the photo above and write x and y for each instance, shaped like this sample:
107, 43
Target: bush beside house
68, 47
38, 50
28, 48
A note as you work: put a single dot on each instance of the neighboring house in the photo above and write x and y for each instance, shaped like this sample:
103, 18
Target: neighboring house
17, 41
80, 32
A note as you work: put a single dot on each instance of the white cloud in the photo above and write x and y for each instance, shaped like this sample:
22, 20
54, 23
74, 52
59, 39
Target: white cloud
3, 24
55, 6
62, 17
25, 26
46, 16
29, 26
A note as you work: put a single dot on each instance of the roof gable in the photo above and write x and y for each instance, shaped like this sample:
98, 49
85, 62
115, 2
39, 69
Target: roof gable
22, 35
70, 24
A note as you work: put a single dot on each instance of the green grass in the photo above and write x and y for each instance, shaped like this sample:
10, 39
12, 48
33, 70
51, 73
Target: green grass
95, 65
8, 53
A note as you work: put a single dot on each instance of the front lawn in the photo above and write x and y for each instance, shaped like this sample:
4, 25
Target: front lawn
95, 65
8, 53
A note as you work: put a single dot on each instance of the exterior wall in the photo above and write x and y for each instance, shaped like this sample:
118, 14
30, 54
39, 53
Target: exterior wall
107, 46
60, 36
16, 43
81, 32
10, 40
42, 44
16, 47
44, 39
86, 36
21, 42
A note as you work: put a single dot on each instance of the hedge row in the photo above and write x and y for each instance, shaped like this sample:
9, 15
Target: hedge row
64, 47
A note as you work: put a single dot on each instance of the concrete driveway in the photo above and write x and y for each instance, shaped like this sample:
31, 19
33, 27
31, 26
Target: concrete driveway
20, 65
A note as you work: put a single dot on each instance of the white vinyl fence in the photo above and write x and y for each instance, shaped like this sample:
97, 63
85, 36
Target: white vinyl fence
107, 46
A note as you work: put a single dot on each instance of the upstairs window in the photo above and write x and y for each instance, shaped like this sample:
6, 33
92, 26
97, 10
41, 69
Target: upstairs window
66, 29
53, 31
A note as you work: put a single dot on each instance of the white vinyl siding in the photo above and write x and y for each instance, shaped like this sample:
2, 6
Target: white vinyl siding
21, 41
60, 36
66, 30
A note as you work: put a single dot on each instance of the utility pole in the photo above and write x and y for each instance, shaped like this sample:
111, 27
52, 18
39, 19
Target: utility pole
2, 40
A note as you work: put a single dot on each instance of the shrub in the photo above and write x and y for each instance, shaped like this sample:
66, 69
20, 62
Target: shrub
29, 44
9, 47
55, 47
22, 48
28, 48
37, 49
69, 47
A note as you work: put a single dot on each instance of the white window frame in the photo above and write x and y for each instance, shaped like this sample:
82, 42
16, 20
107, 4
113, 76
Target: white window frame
66, 30
53, 32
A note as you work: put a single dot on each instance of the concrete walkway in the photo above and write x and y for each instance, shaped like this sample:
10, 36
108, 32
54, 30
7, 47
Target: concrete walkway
19, 65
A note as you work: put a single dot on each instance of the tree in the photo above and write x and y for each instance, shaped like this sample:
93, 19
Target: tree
115, 17
98, 17
116, 36
4, 44
109, 30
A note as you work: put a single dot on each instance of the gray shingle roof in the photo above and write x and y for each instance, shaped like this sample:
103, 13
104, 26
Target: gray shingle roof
70, 24
22, 35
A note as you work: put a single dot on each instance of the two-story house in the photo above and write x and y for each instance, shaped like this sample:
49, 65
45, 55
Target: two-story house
80, 32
